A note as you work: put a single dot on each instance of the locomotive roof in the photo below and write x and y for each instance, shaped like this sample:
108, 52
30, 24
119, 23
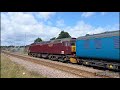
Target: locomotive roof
100, 35
64, 39
54, 41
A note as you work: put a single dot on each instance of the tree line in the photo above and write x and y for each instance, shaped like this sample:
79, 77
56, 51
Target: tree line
62, 34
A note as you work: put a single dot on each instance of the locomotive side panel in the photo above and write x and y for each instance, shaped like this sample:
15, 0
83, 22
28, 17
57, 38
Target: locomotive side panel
57, 48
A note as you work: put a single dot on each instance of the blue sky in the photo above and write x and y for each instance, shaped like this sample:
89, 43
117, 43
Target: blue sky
70, 18
15, 25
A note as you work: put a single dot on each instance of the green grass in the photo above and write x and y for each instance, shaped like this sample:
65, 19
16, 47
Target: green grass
11, 69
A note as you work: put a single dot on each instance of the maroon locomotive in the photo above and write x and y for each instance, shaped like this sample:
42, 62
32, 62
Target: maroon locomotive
59, 49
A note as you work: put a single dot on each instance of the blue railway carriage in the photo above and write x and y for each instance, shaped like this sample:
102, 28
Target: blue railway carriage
99, 49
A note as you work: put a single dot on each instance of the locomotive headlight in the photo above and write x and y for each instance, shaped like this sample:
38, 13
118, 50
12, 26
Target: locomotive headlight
62, 52
111, 66
86, 63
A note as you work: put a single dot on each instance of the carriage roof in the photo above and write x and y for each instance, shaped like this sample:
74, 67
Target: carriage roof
100, 35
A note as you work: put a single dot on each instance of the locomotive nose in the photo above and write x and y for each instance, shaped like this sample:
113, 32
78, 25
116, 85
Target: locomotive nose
72, 58
73, 48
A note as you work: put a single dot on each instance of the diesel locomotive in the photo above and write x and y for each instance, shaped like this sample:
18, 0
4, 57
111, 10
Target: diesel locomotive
59, 49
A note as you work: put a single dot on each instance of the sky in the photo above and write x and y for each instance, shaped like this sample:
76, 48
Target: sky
22, 28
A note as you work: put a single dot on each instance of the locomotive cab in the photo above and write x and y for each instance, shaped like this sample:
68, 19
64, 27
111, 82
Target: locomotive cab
73, 51
73, 46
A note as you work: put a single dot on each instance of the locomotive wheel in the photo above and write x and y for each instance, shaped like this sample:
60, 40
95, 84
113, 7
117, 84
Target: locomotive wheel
54, 58
39, 55
36, 55
50, 57
65, 59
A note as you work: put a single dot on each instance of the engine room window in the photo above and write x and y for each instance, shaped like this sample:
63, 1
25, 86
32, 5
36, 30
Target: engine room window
98, 43
117, 42
66, 44
86, 43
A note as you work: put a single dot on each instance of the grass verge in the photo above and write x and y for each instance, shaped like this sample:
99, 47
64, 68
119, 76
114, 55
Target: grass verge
11, 69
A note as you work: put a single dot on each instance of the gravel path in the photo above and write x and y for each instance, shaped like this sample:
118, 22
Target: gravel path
43, 70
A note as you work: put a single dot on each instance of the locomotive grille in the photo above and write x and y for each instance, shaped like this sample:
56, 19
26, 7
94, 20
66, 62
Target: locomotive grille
117, 42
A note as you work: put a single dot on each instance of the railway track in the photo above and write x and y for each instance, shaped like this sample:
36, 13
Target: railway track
74, 71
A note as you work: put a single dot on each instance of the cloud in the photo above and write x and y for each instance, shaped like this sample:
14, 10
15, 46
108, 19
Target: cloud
81, 28
14, 26
23, 28
46, 15
103, 13
60, 23
87, 14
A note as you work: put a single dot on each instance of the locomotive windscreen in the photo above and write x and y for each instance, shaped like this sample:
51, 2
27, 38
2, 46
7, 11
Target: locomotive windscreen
72, 42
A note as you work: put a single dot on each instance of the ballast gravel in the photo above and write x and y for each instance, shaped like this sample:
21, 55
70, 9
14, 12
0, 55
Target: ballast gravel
42, 70
54, 73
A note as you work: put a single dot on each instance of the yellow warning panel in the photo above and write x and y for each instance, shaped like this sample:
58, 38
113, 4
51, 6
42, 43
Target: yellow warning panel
73, 48
73, 60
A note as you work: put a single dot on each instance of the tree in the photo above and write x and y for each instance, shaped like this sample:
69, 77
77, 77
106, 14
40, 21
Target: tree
38, 40
63, 35
53, 38
87, 34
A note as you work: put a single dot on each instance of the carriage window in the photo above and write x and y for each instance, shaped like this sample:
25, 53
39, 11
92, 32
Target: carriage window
86, 43
98, 43
117, 42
